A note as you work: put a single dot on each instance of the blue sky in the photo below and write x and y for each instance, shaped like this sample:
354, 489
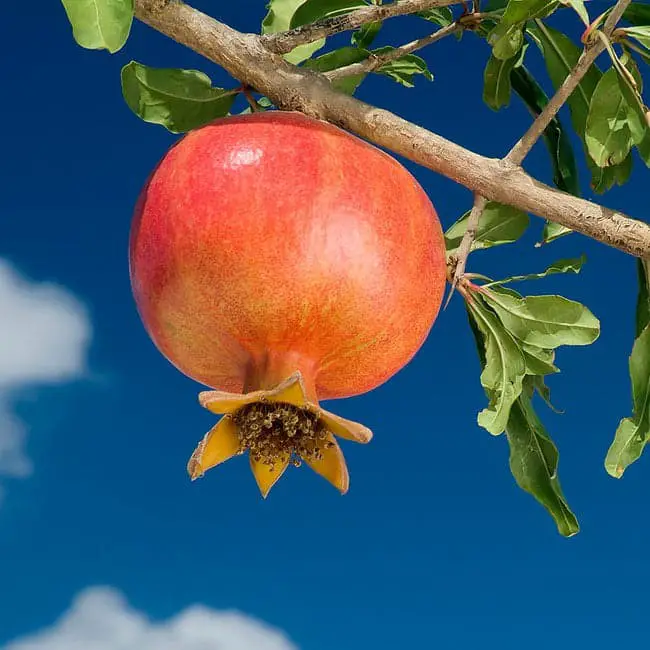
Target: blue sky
101, 532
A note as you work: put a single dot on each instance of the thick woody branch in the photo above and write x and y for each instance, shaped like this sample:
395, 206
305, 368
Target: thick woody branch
291, 88
284, 42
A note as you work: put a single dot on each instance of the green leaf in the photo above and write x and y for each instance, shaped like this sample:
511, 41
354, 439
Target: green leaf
544, 321
643, 300
499, 224
644, 148
640, 34
553, 231
440, 16
403, 70
539, 361
534, 461
518, 11
633, 432
312, 10
581, 10
278, 19
496, 82
569, 265
561, 55
100, 24
179, 100
533, 457
603, 178
366, 34
543, 391
504, 368
638, 13
613, 126
337, 59
506, 40
558, 143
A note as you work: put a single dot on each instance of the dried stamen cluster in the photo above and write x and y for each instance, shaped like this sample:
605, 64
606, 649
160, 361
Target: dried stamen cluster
271, 431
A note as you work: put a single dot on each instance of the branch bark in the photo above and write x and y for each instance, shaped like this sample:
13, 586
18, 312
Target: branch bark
284, 42
292, 88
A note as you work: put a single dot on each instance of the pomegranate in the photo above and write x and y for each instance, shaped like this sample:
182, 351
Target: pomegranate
282, 261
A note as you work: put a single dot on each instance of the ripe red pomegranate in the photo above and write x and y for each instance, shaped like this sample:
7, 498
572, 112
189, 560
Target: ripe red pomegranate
281, 260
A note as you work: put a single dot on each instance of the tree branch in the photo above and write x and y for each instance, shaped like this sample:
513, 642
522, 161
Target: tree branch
377, 61
284, 42
592, 51
292, 88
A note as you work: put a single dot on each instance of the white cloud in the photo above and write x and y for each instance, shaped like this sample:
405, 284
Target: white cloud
101, 619
44, 337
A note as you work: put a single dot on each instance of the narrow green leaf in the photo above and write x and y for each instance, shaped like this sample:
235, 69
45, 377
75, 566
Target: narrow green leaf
366, 34
440, 16
544, 321
638, 13
544, 392
565, 171
499, 224
633, 432
404, 69
643, 300
337, 59
278, 19
613, 126
569, 265
534, 461
504, 369
100, 24
496, 82
581, 10
640, 34
179, 100
561, 55
312, 10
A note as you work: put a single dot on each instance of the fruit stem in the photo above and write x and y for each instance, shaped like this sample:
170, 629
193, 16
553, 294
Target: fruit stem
267, 370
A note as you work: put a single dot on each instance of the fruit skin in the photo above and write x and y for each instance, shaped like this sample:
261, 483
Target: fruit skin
269, 243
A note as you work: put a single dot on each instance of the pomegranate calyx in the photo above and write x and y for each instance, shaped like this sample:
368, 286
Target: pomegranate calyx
278, 427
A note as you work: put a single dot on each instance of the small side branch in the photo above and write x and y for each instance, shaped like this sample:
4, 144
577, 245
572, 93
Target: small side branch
373, 63
593, 49
460, 258
284, 42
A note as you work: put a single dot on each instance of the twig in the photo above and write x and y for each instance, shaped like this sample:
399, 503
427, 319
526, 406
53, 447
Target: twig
593, 49
292, 88
252, 102
377, 61
284, 42
461, 255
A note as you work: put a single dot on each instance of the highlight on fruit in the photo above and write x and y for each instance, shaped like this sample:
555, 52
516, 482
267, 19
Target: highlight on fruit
281, 261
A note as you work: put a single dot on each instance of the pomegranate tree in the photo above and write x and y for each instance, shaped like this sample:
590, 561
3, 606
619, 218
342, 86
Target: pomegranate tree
282, 261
